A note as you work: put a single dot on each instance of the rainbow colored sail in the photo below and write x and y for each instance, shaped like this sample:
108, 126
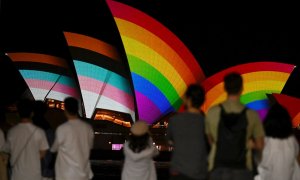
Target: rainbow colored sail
161, 65
47, 76
102, 84
260, 79
292, 104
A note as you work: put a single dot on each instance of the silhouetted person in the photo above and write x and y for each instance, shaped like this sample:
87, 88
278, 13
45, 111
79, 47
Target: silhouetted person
73, 142
230, 127
2, 140
3, 158
40, 109
281, 151
139, 152
186, 133
27, 145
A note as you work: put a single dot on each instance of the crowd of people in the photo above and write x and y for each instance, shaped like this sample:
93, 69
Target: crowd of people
230, 142
35, 152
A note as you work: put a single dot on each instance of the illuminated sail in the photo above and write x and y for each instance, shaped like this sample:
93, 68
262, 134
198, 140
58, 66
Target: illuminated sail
47, 76
260, 79
101, 82
161, 65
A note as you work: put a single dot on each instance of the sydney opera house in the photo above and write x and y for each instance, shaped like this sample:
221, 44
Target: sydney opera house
124, 65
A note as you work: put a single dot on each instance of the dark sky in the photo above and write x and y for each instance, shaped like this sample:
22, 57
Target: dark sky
217, 40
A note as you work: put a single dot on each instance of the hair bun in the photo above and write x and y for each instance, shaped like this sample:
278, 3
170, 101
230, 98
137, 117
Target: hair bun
139, 128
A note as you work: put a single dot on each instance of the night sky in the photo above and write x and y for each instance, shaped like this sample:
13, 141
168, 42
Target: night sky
216, 42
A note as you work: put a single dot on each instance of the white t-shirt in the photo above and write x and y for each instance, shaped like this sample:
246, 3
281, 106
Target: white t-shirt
279, 160
2, 140
25, 159
139, 166
73, 142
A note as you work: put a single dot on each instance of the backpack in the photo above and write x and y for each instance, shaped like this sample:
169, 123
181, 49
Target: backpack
231, 144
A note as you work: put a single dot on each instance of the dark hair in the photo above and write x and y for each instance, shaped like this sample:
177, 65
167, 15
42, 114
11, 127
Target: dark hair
278, 123
196, 93
71, 105
233, 83
138, 143
40, 109
25, 108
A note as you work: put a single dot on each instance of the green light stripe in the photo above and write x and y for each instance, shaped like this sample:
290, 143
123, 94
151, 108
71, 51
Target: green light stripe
147, 71
257, 95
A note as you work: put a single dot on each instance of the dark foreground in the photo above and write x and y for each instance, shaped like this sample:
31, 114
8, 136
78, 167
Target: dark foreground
107, 165
111, 170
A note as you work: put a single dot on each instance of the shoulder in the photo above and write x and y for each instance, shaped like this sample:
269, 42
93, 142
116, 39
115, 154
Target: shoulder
14, 129
85, 124
177, 116
214, 109
251, 112
39, 131
213, 113
62, 127
252, 115
294, 140
184, 115
126, 147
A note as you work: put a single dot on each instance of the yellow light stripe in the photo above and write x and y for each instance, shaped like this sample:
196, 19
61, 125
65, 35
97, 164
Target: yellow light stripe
157, 61
249, 77
248, 88
146, 37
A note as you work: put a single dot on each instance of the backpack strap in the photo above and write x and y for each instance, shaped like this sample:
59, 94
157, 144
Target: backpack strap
24, 147
241, 113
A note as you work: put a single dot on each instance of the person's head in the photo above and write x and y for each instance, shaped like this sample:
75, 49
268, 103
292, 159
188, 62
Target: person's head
71, 106
25, 108
194, 96
233, 84
139, 137
40, 108
278, 123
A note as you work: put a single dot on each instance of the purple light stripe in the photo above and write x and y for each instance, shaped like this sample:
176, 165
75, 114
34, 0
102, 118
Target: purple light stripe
262, 113
148, 111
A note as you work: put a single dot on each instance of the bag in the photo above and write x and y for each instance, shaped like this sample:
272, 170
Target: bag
26, 143
231, 143
48, 164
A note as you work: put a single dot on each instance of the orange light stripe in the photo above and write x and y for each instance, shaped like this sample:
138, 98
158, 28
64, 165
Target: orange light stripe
38, 58
86, 42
